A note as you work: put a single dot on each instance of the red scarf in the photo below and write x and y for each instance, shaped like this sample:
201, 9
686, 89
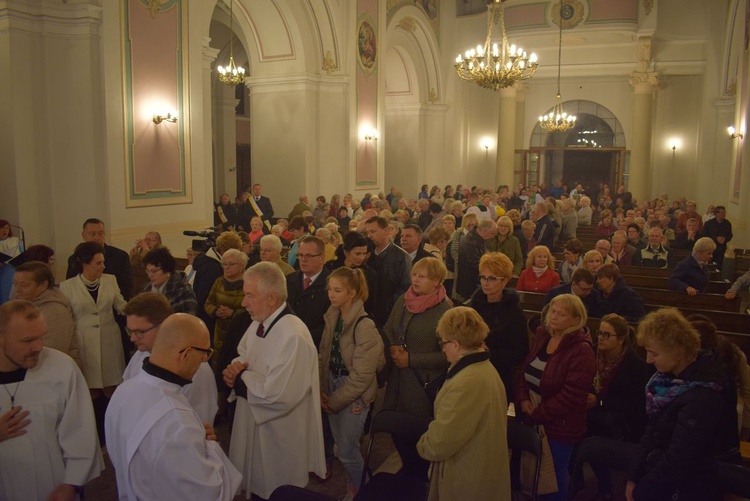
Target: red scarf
419, 304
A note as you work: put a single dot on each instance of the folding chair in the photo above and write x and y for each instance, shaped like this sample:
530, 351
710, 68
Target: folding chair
734, 479
292, 493
606, 452
522, 437
404, 485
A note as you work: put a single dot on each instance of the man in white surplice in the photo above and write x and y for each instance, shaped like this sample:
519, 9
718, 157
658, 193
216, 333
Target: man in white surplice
277, 436
145, 314
48, 443
157, 443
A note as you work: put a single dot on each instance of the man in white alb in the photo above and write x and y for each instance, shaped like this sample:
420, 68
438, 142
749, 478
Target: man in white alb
48, 443
145, 314
277, 436
157, 443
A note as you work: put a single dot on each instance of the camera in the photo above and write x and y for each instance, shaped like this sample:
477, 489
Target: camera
208, 241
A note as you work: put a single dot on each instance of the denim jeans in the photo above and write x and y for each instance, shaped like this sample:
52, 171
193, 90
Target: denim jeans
561, 454
347, 428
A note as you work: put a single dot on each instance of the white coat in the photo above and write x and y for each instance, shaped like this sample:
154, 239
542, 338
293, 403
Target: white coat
99, 340
277, 436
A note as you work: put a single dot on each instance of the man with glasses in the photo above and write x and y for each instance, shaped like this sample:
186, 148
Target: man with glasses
156, 441
145, 313
307, 287
582, 285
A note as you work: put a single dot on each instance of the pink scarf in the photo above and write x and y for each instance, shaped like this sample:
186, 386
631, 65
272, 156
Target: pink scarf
419, 304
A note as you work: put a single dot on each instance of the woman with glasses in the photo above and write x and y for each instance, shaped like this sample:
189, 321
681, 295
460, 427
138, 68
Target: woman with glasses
163, 276
225, 299
94, 296
499, 307
556, 378
617, 404
466, 441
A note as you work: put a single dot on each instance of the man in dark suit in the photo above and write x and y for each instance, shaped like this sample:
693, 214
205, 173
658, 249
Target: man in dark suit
411, 242
307, 292
248, 210
720, 231
116, 261
545, 226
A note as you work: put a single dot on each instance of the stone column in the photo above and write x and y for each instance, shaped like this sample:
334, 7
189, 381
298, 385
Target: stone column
639, 182
209, 55
506, 137
522, 91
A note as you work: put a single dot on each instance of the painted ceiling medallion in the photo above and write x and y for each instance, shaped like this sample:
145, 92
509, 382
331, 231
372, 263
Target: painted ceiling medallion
329, 65
408, 23
156, 6
571, 13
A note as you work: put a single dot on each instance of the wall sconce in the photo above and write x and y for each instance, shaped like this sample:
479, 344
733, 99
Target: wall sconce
486, 143
165, 118
674, 143
372, 135
734, 134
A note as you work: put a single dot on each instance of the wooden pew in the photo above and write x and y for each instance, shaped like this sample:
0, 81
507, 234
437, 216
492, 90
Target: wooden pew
650, 282
703, 301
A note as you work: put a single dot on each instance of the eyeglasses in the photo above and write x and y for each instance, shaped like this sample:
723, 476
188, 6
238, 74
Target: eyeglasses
491, 280
139, 333
443, 343
606, 335
308, 256
207, 352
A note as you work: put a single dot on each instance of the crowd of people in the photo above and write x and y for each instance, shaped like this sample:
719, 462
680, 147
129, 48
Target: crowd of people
308, 316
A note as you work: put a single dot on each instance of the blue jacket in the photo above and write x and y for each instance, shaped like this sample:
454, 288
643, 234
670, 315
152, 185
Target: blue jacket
688, 273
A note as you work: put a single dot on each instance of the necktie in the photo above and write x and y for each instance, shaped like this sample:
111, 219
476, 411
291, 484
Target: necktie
259, 332
306, 283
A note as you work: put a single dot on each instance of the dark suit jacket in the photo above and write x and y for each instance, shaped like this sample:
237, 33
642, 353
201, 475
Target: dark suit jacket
470, 251
688, 273
117, 263
309, 304
421, 253
393, 268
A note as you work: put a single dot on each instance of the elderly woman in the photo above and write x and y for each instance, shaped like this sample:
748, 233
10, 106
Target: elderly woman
691, 275
528, 229
152, 240
592, 260
256, 230
500, 308
569, 223
507, 243
469, 222
585, 212
556, 378
414, 350
470, 413
606, 226
225, 299
94, 296
676, 459
34, 282
540, 274
617, 297
163, 276
572, 259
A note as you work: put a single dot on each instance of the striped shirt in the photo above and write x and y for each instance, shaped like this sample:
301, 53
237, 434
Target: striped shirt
534, 371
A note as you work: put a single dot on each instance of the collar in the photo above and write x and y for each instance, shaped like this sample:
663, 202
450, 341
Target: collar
467, 360
272, 317
312, 278
413, 255
164, 374
15, 376
377, 253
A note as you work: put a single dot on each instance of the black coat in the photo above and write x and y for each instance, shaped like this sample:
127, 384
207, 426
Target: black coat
624, 301
470, 251
678, 448
393, 268
421, 254
621, 413
309, 304
246, 212
508, 339
230, 212
591, 302
237, 328
688, 273
545, 232
117, 263
207, 268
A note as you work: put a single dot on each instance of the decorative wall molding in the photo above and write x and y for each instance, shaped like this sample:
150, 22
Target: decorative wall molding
54, 20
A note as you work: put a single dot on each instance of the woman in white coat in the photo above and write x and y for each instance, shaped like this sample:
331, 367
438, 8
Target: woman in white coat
92, 296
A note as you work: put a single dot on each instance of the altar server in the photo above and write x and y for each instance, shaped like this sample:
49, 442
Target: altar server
48, 443
157, 443
145, 314
277, 436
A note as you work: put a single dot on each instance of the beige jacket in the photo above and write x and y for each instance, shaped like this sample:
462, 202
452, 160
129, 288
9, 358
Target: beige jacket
61, 328
362, 360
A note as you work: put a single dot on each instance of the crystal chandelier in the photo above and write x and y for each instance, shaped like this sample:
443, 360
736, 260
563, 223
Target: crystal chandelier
231, 74
492, 66
557, 120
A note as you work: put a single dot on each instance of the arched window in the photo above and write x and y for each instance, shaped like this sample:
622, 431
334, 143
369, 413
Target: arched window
596, 127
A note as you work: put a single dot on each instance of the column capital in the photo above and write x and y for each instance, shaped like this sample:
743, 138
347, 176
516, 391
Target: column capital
209, 53
522, 90
645, 82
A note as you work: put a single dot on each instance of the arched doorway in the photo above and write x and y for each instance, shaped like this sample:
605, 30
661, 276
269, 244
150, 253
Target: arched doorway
592, 152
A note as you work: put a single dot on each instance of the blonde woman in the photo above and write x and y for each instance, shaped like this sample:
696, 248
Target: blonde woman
540, 274
592, 260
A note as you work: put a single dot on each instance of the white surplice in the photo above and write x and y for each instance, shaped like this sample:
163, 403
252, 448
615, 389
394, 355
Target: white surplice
61, 445
277, 435
201, 393
158, 445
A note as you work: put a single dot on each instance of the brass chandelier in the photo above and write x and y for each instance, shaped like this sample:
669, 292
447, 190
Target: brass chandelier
557, 120
492, 66
232, 74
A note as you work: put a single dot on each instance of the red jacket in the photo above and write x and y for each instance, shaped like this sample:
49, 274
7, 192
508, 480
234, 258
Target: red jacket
565, 384
528, 282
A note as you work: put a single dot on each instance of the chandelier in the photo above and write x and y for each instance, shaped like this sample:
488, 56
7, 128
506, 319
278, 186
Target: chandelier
231, 74
557, 120
492, 66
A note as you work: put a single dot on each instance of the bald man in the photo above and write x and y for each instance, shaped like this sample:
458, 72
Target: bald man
157, 443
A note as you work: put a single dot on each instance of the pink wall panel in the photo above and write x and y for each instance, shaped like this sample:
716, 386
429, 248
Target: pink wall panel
154, 78
525, 16
367, 94
621, 10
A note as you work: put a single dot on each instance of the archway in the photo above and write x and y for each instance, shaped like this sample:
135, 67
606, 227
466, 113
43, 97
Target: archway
592, 152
